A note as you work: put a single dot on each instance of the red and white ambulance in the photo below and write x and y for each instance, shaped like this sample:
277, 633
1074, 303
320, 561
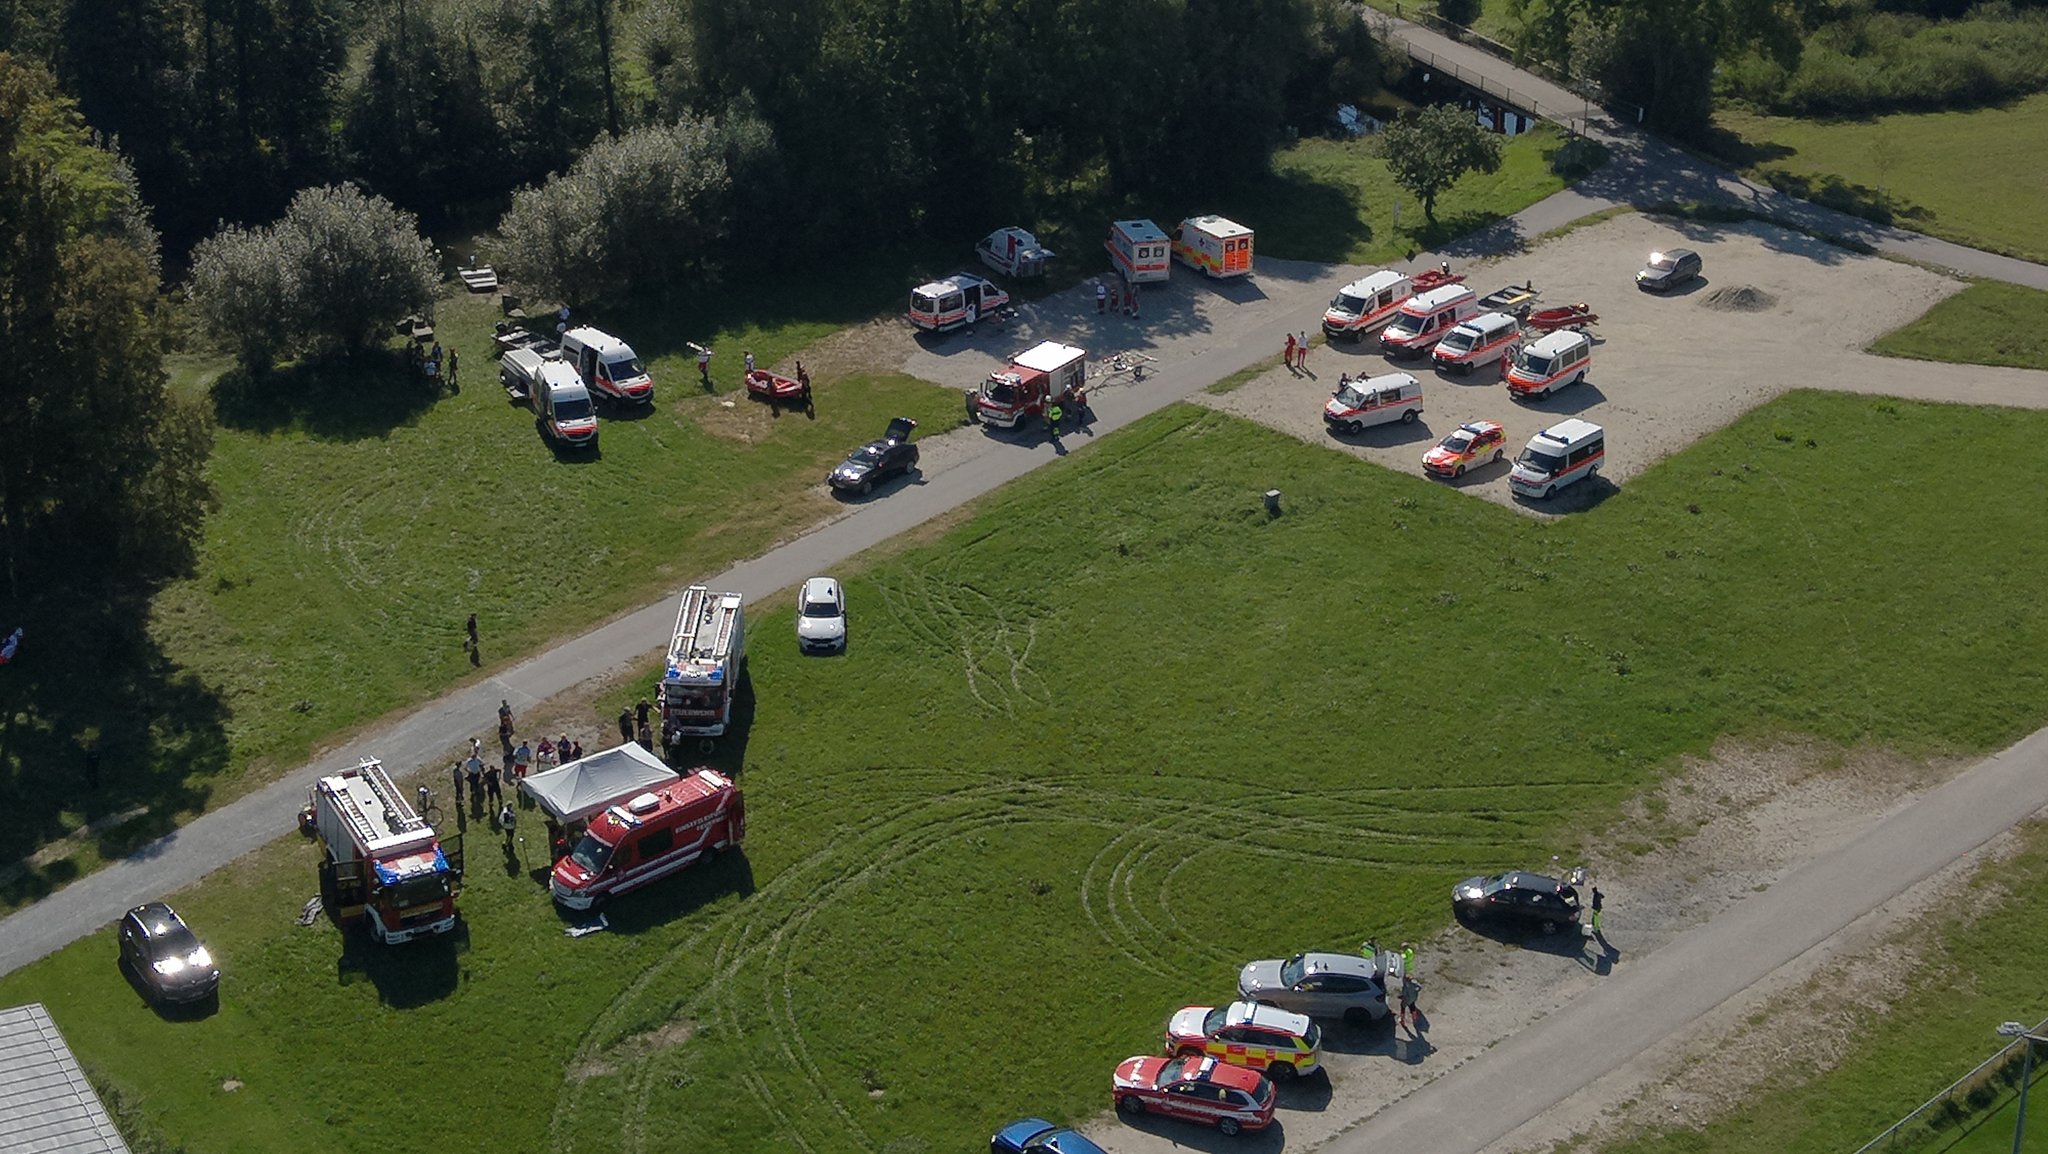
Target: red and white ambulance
651, 836
1218, 246
1484, 340
1548, 363
954, 302
1369, 302
1426, 318
1138, 250
1563, 454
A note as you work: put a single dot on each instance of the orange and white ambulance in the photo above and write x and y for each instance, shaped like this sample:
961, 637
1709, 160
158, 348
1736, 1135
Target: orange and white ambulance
1427, 318
1549, 363
1216, 245
1483, 340
1138, 250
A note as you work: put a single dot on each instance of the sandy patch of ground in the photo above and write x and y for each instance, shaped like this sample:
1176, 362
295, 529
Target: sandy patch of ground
1777, 310
1717, 831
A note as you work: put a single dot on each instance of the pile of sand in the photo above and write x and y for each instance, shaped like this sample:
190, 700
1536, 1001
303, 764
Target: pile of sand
1740, 299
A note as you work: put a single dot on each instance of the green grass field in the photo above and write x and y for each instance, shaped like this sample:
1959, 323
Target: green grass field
1939, 1027
1332, 200
1989, 323
1970, 177
1107, 737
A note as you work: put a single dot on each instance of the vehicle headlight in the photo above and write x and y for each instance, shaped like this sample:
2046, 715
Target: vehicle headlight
200, 958
169, 966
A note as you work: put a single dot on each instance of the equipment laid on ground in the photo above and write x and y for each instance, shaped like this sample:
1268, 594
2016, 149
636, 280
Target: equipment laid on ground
1515, 300
651, 836
479, 278
706, 656
776, 389
1218, 246
1013, 252
380, 860
1035, 378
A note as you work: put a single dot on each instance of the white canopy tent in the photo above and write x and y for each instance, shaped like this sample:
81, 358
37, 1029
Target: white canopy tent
573, 792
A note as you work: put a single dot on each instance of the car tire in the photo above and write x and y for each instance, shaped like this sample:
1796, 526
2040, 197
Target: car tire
1543, 394
866, 487
1580, 379
1282, 1072
1458, 472
1408, 417
1549, 491
1228, 1127
1355, 428
1498, 456
1130, 1104
1549, 927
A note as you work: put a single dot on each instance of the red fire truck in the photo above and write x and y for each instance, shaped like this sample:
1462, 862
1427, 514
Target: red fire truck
651, 836
380, 860
705, 657
1046, 372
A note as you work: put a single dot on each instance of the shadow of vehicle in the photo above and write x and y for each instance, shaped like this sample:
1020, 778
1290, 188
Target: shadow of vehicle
1388, 436
658, 904
1563, 942
912, 476
1575, 498
1565, 401
1310, 1094
1685, 290
1485, 472
1195, 1136
408, 975
566, 453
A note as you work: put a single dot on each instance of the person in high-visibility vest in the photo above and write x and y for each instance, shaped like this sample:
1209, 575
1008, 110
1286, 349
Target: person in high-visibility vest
1053, 413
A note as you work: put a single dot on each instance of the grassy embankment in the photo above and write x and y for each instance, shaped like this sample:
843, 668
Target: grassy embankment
1967, 176
1109, 736
1989, 323
361, 519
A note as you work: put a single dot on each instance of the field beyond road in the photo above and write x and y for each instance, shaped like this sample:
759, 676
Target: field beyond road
1111, 735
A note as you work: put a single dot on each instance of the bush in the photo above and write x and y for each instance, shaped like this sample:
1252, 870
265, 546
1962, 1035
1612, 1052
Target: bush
1886, 61
339, 267
1459, 12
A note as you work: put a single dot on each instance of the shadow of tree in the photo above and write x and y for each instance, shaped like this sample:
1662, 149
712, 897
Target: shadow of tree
339, 398
89, 676
1735, 151
1301, 217
1831, 191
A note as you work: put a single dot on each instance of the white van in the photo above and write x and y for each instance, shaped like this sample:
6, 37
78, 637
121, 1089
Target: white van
1217, 245
1565, 453
1138, 250
608, 365
1548, 363
1368, 401
1483, 340
1426, 318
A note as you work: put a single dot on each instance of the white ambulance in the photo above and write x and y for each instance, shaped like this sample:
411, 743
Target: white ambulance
1483, 340
1138, 250
1548, 363
1367, 401
1426, 318
1218, 246
1563, 454
955, 302
607, 365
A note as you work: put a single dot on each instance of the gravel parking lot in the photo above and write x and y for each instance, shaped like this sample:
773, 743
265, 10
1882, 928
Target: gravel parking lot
1666, 369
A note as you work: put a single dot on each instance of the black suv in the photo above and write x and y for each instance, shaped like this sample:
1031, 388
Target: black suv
166, 956
1522, 896
877, 461
1668, 270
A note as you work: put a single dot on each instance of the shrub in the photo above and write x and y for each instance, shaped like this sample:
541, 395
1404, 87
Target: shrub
1887, 61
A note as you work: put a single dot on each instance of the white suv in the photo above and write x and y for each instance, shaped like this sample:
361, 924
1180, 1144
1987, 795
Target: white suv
821, 616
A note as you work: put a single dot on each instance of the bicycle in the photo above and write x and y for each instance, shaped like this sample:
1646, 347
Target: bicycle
428, 811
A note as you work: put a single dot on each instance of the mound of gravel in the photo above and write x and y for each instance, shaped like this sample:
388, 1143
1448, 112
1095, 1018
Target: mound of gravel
1740, 299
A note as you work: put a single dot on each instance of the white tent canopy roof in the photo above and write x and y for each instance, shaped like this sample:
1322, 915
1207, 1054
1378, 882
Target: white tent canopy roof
579, 789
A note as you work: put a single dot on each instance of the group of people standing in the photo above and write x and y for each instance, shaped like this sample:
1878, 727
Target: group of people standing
633, 725
484, 781
1113, 297
1295, 354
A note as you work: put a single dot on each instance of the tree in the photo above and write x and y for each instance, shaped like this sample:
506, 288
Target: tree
1429, 150
631, 214
330, 276
102, 470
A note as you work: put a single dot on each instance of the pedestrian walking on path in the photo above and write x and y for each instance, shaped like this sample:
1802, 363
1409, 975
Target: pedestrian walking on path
1301, 351
1411, 991
1598, 898
625, 726
505, 722
522, 758
472, 631
1408, 958
1287, 353
1053, 413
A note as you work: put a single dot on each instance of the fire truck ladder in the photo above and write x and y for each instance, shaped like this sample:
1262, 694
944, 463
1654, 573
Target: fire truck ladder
699, 609
397, 815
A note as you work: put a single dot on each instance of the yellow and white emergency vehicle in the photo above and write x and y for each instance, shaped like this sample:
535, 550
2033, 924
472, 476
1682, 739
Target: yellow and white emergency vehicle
1218, 246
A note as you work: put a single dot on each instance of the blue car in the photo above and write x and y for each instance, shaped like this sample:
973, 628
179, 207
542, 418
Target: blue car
1038, 1136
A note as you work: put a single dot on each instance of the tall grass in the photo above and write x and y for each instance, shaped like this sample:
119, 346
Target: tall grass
1894, 61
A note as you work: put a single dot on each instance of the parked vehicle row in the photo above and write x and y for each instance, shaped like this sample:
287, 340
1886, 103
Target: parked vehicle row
560, 378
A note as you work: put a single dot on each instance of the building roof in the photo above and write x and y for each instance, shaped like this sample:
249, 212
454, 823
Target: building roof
46, 1104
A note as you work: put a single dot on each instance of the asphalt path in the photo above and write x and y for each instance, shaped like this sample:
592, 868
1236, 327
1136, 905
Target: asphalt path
1643, 170
1644, 1003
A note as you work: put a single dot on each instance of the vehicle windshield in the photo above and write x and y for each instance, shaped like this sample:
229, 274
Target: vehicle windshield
1346, 303
1460, 340
591, 854
1660, 260
1494, 885
1457, 443
573, 409
427, 889
175, 942
1291, 970
866, 455
1002, 392
1351, 397
1214, 1020
625, 368
924, 302
820, 609
1537, 366
1542, 463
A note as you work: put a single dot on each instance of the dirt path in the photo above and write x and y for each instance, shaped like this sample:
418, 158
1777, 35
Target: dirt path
1666, 370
